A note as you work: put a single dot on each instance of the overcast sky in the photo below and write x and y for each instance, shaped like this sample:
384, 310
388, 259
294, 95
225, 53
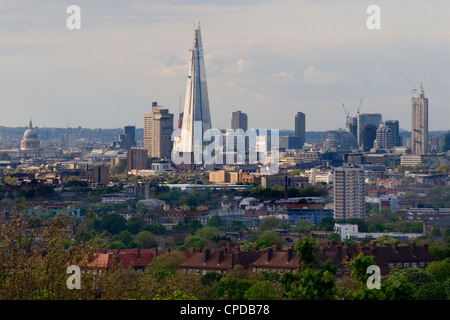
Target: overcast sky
270, 59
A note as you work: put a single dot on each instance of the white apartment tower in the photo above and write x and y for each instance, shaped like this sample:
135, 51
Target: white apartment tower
349, 192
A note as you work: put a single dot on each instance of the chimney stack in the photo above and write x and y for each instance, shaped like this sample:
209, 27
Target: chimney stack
207, 255
394, 246
269, 253
290, 253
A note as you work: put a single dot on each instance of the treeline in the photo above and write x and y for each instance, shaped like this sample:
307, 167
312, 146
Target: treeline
33, 266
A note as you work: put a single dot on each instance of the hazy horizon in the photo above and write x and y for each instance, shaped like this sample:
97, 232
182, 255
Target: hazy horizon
269, 59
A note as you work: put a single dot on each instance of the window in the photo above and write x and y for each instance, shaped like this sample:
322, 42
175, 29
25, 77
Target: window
406, 264
399, 265
391, 265
414, 264
421, 264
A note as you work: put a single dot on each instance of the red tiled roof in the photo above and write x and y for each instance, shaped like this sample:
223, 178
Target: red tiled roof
279, 260
255, 214
194, 214
136, 258
197, 261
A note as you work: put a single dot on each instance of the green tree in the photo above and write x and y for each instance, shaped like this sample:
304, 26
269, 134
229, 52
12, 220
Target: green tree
392, 288
211, 277
113, 223
116, 245
268, 238
125, 237
311, 284
215, 221
442, 168
303, 226
192, 201
194, 225
305, 248
439, 196
262, 290
326, 224
432, 291
397, 288
410, 195
416, 276
385, 241
237, 226
155, 228
334, 236
169, 262
436, 232
146, 239
176, 295
359, 266
231, 289
135, 224
439, 270
269, 223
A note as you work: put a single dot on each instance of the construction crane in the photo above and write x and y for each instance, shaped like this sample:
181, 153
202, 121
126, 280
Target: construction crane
359, 107
413, 90
347, 114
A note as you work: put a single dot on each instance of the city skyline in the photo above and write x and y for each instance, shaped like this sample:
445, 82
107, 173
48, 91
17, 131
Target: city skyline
281, 56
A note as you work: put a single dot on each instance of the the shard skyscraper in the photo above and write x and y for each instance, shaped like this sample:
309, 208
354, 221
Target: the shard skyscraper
196, 106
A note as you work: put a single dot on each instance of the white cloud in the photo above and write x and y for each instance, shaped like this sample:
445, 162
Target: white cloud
314, 76
241, 66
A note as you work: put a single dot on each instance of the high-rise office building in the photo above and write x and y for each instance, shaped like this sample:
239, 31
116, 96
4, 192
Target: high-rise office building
351, 125
384, 138
364, 119
349, 192
419, 124
101, 174
68, 140
158, 129
395, 128
137, 159
444, 142
369, 134
196, 106
130, 137
239, 120
300, 127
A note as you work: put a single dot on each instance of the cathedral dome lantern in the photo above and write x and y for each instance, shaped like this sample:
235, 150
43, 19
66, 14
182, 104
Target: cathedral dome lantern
30, 141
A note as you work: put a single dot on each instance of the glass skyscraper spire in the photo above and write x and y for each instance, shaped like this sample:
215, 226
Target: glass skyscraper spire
196, 106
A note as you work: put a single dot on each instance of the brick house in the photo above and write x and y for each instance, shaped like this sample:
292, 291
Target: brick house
279, 261
220, 260
138, 259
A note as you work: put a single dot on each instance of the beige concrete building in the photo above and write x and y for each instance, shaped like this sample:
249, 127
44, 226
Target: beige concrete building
223, 176
158, 128
419, 124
